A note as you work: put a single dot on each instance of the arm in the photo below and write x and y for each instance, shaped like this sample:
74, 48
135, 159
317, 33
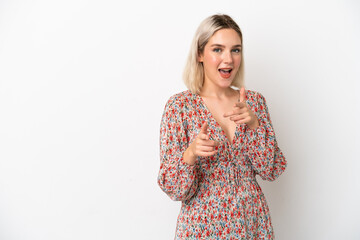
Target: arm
261, 146
176, 178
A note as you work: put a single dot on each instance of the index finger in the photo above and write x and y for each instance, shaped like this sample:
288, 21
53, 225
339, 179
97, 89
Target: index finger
242, 94
240, 104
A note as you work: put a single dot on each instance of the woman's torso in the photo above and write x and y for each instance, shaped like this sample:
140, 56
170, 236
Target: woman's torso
228, 202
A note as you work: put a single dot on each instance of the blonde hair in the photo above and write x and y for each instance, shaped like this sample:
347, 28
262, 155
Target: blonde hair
193, 75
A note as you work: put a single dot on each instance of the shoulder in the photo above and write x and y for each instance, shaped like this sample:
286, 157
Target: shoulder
255, 100
177, 106
254, 96
180, 100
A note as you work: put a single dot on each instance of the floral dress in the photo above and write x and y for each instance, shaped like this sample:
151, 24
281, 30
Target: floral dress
220, 196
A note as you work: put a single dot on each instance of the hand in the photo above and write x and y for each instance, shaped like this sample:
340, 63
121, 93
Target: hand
202, 146
242, 113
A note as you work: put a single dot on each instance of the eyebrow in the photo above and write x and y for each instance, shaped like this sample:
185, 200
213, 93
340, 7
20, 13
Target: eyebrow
219, 45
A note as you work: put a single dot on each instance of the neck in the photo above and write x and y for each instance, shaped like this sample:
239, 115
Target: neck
214, 91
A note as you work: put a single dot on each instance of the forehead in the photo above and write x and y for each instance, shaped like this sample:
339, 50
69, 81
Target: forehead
225, 37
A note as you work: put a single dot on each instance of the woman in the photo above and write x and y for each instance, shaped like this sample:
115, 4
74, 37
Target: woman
214, 139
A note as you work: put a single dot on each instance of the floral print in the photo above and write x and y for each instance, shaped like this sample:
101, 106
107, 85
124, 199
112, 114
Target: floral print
220, 196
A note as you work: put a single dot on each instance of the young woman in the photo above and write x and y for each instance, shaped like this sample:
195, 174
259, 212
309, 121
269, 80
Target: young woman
214, 139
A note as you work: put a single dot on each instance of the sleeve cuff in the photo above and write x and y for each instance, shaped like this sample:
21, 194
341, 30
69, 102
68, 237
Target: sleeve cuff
186, 168
257, 134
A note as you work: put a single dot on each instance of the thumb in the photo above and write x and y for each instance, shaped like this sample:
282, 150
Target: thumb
242, 95
204, 128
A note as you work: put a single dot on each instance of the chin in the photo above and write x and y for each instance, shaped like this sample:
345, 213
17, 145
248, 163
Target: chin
225, 83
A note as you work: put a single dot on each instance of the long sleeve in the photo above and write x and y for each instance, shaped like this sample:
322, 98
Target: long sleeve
176, 178
261, 146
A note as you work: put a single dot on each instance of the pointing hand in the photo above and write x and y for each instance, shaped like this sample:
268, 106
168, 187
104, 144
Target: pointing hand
242, 113
202, 146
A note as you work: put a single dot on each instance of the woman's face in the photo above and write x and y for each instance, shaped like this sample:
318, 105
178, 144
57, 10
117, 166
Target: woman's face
222, 57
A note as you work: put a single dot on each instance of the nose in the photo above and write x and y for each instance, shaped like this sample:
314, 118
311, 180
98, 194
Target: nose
227, 57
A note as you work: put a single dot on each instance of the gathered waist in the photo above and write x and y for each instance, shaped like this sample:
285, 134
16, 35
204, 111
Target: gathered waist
231, 177
241, 187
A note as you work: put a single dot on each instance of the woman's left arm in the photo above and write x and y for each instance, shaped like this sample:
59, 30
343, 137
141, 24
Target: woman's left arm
260, 144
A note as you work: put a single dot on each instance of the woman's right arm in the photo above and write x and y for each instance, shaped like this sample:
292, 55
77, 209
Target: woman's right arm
176, 178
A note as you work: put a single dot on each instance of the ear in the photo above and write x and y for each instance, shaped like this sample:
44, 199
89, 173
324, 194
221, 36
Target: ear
200, 57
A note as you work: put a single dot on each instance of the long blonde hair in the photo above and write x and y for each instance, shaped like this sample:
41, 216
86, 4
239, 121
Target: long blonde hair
193, 74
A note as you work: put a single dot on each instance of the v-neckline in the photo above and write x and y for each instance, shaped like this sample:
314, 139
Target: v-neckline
231, 143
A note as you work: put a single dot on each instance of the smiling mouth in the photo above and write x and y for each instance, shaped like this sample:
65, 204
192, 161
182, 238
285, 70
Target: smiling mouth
225, 71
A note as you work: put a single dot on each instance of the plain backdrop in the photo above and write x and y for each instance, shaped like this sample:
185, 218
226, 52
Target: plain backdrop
83, 85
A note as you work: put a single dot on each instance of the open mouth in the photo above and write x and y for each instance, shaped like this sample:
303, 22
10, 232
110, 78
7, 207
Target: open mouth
225, 72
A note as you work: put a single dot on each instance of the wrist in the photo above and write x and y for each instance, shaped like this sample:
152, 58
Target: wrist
255, 124
189, 156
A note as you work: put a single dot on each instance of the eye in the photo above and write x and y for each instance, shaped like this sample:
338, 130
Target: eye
236, 50
217, 50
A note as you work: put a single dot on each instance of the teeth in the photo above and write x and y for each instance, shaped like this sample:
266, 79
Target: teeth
223, 70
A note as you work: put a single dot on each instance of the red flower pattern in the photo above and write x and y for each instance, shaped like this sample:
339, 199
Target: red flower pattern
220, 196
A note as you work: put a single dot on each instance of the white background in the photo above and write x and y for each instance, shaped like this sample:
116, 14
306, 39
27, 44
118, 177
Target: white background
83, 85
